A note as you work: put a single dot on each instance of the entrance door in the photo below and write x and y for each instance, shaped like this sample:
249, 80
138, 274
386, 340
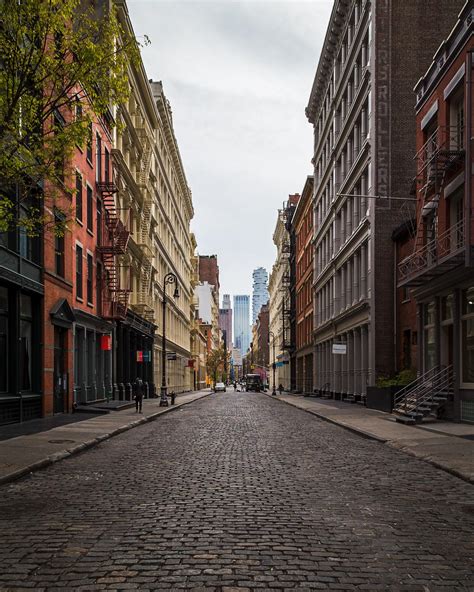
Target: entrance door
447, 345
60, 379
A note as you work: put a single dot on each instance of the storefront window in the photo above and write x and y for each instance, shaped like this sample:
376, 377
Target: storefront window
26, 322
3, 339
447, 308
468, 335
430, 336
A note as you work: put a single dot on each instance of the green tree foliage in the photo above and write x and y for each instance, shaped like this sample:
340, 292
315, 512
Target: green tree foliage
63, 63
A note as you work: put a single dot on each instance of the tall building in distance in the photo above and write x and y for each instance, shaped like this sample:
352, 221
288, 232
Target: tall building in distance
260, 291
241, 322
225, 320
226, 302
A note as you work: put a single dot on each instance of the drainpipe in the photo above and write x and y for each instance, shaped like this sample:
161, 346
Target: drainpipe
468, 164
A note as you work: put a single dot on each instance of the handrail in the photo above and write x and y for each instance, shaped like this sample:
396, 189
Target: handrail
448, 243
424, 389
448, 137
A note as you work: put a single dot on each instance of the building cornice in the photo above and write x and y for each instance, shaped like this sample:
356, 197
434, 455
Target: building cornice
326, 60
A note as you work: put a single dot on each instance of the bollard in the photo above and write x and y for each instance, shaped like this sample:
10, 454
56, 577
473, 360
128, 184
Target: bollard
173, 397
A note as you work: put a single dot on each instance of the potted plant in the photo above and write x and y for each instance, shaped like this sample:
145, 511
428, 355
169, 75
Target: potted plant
382, 395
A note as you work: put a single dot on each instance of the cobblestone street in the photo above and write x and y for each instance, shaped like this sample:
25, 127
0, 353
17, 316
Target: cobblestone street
238, 491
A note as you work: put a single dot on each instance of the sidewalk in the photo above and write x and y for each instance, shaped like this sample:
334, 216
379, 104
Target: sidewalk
23, 454
447, 445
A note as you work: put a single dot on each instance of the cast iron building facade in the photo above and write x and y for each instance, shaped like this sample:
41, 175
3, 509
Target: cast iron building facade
361, 108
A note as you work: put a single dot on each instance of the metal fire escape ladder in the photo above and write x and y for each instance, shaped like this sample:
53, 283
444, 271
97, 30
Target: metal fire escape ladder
115, 298
425, 395
434, 160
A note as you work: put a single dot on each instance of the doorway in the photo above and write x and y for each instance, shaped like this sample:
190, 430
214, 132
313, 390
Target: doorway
60, 375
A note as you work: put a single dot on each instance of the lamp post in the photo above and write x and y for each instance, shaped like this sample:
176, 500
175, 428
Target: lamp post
272, 335
170, 278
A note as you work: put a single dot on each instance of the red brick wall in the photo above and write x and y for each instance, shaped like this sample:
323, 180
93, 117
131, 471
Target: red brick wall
304, 273
208, 269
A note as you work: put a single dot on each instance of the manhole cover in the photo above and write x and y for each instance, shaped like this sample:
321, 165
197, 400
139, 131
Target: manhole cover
61, 441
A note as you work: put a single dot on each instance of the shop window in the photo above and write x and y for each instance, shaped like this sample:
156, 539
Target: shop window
447, 308
26, 331
468, 335
429, 336
3, 339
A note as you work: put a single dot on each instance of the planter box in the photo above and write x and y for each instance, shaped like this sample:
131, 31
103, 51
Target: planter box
382, 398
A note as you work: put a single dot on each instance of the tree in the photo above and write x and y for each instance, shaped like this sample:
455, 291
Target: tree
62, 64
215, 362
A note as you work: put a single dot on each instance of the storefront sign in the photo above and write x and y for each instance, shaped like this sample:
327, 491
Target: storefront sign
339, 348
171, 356
139, 356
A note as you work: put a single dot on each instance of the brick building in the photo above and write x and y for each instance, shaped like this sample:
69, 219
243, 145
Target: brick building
406, 327
303, 223
92, 333
440, 269
361, 109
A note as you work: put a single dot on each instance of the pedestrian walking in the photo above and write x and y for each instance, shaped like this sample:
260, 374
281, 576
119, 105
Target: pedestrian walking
235, 386
280, 388
138, 395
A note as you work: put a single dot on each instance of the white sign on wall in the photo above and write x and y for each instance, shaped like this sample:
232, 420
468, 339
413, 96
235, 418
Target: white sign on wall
339, 348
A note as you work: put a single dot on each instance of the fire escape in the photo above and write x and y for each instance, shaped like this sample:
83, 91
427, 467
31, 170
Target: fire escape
144, 305
115, 297
435, 253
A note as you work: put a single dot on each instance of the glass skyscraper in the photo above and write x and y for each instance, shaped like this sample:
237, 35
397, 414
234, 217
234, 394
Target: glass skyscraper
260, 294
241, 322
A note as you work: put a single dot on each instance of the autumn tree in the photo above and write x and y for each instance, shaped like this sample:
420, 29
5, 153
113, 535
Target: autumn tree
215, 363
63, 63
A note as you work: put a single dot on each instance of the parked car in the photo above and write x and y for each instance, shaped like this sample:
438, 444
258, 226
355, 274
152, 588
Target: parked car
220, 386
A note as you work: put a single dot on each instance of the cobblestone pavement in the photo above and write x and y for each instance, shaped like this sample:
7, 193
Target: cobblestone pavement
238, 492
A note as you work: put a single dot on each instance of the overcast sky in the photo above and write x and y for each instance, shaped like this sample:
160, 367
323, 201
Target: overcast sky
238, 75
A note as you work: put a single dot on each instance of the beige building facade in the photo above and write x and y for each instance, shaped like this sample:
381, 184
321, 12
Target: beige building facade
154, 203
278, 288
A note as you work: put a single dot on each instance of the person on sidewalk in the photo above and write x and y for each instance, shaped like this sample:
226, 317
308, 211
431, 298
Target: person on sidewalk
280, 388
138, 395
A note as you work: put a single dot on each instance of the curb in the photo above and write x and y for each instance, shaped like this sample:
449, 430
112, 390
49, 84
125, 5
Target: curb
357, 431
391, 443
61, 455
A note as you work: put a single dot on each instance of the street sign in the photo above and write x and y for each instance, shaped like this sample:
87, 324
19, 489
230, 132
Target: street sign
339, 348
171, 355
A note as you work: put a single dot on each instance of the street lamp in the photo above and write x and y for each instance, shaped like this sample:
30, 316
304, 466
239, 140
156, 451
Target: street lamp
170, 278
272, 335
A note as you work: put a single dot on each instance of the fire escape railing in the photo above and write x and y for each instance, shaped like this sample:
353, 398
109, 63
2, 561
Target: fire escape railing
115, 298
443, 247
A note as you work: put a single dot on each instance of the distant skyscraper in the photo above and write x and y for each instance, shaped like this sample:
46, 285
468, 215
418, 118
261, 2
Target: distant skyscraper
225, 319
226, 302
260, 291
241, 322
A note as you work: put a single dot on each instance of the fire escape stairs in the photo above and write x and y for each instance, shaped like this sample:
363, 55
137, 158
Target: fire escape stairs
424, 396
115, 298
435, 162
